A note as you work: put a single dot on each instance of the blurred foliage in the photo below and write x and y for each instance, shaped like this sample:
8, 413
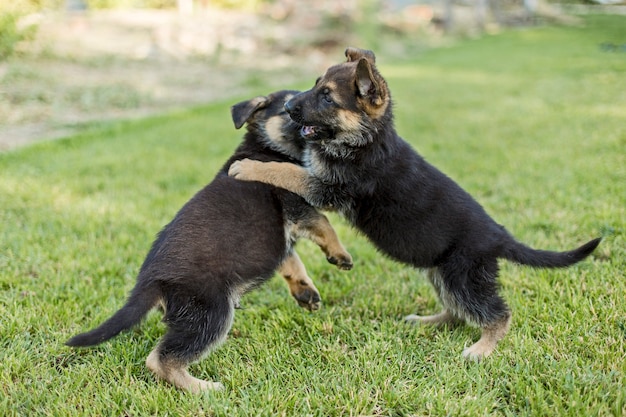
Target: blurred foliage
171, 4
121, 4
572, 2
12, 31
238, 4
30, 6
22, 7
14, 28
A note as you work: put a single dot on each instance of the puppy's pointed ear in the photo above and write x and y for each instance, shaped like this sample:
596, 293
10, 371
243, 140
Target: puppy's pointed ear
241, 112
354, 54
366, 82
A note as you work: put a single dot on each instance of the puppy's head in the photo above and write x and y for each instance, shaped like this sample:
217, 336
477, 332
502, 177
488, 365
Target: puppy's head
346, 103
268, 122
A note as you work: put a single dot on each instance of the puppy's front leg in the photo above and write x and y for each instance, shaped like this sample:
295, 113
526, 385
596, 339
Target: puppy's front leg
285, 175
300, 285
317, 228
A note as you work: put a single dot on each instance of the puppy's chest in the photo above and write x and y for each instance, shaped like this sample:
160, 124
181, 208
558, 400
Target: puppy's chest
314, 163
329, 171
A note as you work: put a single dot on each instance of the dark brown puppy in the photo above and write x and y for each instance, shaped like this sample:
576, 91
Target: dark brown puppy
357, 164
229, 238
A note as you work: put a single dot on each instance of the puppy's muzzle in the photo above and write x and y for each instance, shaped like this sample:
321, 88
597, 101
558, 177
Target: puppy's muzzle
294, 109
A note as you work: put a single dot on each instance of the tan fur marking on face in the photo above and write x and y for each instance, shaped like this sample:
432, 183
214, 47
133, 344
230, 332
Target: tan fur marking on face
334, 92
331, 85
273, 128
349, 120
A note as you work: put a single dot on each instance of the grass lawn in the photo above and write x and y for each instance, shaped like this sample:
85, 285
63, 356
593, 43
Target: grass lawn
532, 122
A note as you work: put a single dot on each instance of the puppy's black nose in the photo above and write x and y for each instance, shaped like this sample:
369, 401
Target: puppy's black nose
292, 108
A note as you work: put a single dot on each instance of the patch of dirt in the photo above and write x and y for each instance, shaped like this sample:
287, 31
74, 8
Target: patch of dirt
86, 67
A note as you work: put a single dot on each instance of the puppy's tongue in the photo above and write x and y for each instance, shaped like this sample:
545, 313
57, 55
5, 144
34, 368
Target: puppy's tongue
307, 131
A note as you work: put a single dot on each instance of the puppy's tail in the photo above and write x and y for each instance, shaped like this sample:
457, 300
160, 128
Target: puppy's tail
140, 302
522, 254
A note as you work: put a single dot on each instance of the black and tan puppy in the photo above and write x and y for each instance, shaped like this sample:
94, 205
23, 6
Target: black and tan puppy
229, 238
356, 163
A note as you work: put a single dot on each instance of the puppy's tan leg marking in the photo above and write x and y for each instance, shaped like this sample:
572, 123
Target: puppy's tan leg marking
318, 229
291, 177
490, 337
444, 317
177, 375
300, 285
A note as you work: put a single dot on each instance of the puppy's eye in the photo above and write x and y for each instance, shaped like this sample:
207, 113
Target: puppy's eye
326, 96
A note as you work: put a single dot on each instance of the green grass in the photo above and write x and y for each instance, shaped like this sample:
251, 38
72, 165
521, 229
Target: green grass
532, 122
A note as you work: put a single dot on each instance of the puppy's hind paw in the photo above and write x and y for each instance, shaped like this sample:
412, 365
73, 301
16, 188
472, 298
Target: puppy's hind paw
477, 352
413, 318
197, 386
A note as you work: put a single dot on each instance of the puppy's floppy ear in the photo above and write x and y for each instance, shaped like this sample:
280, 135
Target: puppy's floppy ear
366, 82
241, 112
354, 54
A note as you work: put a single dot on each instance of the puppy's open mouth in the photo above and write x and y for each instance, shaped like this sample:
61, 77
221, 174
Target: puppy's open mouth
316, 133
308, 132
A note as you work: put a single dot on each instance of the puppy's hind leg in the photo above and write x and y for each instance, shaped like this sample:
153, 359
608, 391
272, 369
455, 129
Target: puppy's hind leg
491, 335
300, 285
470, 290
439, 319
194, 329
445, 317
175, 372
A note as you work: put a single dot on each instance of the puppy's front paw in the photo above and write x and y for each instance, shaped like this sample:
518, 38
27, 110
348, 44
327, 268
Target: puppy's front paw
342, 261
234, 169
308, 298
243, 169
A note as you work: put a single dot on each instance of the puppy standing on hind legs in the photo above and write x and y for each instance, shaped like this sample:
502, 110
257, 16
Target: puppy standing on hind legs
228, 239
357, 164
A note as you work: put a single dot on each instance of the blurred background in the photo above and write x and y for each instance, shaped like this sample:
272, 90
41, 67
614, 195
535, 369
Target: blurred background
65, 64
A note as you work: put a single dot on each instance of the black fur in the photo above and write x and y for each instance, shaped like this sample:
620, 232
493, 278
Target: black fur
413, 212
208, 251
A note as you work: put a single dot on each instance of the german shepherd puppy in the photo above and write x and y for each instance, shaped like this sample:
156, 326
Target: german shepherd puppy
356, 163
229, 238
